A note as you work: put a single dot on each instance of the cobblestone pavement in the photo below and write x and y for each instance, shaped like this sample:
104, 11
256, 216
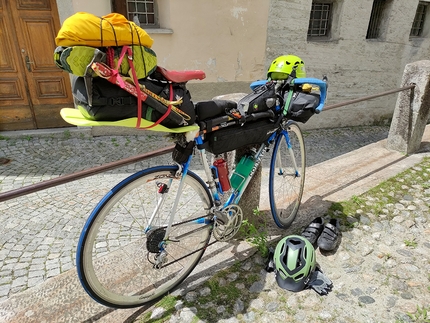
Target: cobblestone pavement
380, 271
39, 231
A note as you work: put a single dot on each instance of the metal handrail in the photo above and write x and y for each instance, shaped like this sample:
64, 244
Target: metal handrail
81, 174
99, 169
342, 104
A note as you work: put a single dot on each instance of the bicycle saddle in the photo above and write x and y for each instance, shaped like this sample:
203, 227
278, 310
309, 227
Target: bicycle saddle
181, 76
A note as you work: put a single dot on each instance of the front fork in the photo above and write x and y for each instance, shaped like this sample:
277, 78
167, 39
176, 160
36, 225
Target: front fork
286, 136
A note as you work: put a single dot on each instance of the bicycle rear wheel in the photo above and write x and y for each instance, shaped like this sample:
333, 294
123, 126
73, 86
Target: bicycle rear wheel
287, 175
124, 234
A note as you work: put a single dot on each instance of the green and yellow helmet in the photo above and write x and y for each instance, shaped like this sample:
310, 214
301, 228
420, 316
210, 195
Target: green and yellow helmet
295, 261
282, 67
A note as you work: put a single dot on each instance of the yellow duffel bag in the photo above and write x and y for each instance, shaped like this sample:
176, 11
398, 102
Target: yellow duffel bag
112, 30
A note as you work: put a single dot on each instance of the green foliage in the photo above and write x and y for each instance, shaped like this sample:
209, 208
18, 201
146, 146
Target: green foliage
114, 141
168, 303
411, 243
257, 236
420, 316
357, 200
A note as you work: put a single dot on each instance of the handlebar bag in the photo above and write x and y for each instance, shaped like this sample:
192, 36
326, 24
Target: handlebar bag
303, 106
111, 103
237, 136
261, 99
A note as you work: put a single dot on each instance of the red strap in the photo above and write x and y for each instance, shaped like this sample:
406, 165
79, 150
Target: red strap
115, 77
139, 93
110, 57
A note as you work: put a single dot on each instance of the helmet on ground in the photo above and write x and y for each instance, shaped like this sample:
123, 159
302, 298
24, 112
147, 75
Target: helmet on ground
282, 67
295, 261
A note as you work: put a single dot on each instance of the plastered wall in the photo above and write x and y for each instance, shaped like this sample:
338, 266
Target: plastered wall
234, 41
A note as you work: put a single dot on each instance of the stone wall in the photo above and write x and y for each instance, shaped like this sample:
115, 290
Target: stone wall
356, 67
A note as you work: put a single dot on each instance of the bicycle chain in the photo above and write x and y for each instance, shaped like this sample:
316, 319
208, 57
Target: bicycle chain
156, 236
221, 232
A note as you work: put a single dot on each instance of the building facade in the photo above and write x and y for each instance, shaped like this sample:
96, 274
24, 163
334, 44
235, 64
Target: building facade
361, 45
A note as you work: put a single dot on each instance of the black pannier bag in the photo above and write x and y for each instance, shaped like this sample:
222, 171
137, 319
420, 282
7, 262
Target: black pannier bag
261, 99
303, 106
111, 103
237, 136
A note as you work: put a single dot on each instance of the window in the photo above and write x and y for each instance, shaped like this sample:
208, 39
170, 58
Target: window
142, 12
320, 20
418, 24
376, 18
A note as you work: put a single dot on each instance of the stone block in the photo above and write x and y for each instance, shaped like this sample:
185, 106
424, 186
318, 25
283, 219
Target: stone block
412, 109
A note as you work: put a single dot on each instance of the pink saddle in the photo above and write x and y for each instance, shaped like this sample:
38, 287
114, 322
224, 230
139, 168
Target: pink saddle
181, 76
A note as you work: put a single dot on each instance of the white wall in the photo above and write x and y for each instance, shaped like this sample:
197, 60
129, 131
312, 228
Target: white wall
224, 38
66, 8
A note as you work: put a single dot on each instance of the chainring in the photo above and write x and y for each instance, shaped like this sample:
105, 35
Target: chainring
226, 231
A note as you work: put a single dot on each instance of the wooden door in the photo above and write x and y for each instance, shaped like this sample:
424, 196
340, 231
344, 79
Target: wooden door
32, 89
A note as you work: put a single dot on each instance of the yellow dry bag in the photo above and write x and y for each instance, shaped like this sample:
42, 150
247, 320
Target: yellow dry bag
111, 30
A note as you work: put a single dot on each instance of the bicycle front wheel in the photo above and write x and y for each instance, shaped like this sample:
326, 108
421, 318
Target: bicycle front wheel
287, 175
124, 258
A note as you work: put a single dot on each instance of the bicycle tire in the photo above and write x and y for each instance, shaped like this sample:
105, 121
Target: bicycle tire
286, 183
114, 263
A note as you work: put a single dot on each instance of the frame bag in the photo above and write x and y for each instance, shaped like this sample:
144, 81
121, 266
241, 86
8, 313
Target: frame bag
237, 136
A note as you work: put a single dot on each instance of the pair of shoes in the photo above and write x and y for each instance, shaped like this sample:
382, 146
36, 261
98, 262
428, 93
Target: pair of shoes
325, 236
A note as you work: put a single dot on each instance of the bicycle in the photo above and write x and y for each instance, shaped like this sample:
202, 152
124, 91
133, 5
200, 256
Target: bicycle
150, 231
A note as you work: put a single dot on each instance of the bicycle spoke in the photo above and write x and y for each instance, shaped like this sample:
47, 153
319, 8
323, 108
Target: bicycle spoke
287, 175
114, 264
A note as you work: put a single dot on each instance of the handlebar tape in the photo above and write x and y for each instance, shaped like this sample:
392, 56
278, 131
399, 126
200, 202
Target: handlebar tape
321, 84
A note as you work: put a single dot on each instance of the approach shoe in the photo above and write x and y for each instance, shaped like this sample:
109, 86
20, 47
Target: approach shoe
76, 59
144, 61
